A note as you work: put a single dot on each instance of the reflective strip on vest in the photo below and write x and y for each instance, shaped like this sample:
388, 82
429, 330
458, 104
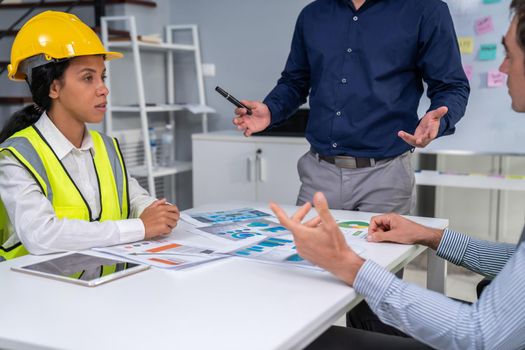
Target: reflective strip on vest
31, 149
12, 252
25, 153
124, 200
111, 170
115, 163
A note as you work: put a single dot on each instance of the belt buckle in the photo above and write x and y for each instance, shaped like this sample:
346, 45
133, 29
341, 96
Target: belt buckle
345, 162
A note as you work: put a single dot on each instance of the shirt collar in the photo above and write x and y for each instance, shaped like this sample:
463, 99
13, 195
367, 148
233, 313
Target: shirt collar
351, 4
58, 142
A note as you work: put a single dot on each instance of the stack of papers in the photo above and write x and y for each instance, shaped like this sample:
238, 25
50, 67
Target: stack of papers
245, 233
163, 252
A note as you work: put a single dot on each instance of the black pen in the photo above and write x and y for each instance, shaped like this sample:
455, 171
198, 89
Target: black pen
233, 100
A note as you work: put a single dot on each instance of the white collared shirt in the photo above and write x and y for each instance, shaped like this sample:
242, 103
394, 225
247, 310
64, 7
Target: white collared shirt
33, 216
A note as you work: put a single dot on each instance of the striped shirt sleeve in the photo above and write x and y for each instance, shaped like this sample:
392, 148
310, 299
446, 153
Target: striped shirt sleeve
484, 257
495, 321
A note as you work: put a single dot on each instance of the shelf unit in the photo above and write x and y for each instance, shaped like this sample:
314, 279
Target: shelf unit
141, 163
29, 4
480, 181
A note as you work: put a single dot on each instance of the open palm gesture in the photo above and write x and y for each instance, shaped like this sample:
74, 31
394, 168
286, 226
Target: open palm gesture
427, 129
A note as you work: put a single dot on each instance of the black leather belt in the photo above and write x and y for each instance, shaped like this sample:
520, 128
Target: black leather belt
349, 162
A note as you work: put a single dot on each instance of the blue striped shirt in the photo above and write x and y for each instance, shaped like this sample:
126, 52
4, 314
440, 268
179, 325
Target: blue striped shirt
495, 321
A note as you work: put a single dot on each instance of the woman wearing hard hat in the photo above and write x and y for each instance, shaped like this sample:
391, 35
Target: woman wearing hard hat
62, 186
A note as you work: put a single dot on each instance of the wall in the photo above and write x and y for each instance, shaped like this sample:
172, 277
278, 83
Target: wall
248, 41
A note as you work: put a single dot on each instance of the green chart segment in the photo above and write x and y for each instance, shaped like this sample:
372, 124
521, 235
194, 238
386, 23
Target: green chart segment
354, 224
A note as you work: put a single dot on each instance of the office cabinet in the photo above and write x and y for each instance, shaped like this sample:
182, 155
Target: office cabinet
228, 166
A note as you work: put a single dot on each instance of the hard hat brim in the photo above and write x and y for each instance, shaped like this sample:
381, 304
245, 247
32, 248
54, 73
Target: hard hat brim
20, 76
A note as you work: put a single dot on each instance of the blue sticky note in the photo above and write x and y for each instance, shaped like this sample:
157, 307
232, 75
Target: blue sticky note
487, 52
491, 1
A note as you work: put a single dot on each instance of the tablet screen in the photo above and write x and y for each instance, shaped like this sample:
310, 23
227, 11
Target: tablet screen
82, 268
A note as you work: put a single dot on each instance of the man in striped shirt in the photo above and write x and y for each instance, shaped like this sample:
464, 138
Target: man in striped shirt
495, 321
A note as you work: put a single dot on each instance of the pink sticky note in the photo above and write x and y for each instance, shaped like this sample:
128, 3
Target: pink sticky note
484, 25
496, 79
468, 71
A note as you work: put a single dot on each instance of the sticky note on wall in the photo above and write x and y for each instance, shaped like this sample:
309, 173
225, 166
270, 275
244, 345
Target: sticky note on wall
466, 44
496, 79
468, 71
484, 25
487, 52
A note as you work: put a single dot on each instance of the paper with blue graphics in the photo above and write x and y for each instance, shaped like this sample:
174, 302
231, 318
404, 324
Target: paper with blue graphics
242, 233
263, 239
280, 250
200, 219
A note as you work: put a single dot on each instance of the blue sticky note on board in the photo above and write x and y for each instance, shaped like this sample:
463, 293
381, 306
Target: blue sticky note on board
487, 52
491, 1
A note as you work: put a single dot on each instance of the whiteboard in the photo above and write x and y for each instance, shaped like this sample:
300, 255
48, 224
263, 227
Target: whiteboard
489, 126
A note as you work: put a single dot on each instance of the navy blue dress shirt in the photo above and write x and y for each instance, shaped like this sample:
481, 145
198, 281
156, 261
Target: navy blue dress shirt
364, 72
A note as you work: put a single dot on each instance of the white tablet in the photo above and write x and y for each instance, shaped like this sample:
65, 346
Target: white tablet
83, 269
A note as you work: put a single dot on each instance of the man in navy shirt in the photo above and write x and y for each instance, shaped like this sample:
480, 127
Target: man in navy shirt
363, 63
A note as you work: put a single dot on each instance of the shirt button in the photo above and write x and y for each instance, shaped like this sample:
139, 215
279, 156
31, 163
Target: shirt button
343, 81
355, 18
349, 50
338, 113
334, 145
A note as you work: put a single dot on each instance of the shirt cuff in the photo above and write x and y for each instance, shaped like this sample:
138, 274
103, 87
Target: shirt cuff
443, 126
130, 230
372, 282
453, 246
273, 112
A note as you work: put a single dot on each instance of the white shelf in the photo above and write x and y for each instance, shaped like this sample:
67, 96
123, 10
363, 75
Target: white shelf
157, 108
434, 178
195, 109
179, 167
136, 145
152, 46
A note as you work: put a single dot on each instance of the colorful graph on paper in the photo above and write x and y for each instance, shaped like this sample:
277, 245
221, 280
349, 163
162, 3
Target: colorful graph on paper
218, 217
162, 252
245, 229
273, 249
358, 229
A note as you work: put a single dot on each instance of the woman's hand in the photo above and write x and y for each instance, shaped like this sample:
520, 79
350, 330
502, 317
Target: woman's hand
160, 218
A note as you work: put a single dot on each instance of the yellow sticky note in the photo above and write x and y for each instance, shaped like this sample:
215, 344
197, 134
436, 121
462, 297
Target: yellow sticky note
466, 44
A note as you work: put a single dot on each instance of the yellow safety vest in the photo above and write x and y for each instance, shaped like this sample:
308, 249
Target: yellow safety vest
32, 150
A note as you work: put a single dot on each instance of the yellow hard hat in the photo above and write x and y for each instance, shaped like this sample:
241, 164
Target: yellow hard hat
54, 35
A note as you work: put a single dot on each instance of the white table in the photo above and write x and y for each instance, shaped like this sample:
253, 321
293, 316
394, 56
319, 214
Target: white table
227, 304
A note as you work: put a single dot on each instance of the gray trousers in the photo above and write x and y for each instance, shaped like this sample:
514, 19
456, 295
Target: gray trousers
386, 187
